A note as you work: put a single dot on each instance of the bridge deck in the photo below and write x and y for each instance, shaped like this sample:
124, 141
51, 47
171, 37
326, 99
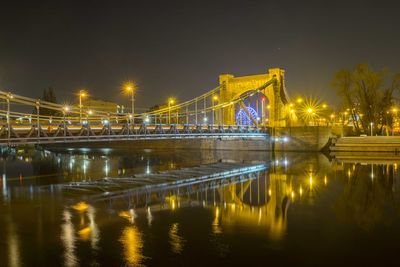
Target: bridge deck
26, 136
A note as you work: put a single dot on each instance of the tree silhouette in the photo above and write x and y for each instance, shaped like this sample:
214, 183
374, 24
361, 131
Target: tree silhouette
49, 96
368, 95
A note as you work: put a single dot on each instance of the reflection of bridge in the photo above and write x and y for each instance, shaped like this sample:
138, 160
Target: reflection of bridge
239, 107
239, 193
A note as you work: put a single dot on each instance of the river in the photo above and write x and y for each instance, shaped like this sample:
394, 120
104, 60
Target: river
302, 209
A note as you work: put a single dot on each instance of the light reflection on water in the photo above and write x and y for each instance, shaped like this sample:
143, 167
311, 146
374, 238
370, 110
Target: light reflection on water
300, 197
68, 239
176, 241
132, 242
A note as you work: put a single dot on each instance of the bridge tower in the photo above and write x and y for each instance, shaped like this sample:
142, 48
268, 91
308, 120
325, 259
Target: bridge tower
274, 108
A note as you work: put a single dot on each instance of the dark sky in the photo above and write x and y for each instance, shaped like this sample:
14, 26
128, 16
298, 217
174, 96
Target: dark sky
178, 48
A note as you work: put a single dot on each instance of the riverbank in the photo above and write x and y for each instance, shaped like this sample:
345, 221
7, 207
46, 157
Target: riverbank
367, 144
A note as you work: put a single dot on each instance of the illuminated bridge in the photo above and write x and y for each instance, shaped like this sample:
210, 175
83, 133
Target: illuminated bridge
240, 107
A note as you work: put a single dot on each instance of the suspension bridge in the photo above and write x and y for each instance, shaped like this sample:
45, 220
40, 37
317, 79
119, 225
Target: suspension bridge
239, 107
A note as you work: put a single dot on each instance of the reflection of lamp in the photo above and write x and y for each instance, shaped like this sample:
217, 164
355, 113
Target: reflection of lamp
132, 241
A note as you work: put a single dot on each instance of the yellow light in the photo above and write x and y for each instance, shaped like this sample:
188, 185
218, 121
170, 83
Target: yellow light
291, 105
129, 86
171, 101
269, 192
132, 242
301, 191
129, 215
268, 107
299, 100
310, 110
83, 93
215, 97
66, 108
292, 194
324, 106
90, 112
81, 206
85, 233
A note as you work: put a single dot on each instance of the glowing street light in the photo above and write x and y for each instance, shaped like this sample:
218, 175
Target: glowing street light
215, 98
131, 87
171, 101
82, 94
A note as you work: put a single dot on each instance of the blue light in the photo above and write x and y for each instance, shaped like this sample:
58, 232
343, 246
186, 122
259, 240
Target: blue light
243, 119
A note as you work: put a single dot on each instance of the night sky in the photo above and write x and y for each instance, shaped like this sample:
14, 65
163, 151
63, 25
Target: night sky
178, 48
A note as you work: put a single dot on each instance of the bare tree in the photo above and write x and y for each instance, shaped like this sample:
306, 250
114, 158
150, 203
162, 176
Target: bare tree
368, 96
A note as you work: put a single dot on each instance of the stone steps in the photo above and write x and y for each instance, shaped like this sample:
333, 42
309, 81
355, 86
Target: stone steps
367, 144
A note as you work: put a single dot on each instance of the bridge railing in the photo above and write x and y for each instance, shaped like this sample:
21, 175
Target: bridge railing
63, 133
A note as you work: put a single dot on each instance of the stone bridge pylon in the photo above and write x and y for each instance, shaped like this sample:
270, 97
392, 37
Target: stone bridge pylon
269, 105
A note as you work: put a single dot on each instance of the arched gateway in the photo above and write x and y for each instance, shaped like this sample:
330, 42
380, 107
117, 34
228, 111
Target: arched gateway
268, 106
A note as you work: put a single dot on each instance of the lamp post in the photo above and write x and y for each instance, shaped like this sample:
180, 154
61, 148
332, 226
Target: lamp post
371, 124
215, 98
65, 110
171, 101
82, 94
131, 87
262, 110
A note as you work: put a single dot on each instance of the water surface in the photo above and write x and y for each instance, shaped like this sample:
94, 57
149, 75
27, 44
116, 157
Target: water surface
303, 209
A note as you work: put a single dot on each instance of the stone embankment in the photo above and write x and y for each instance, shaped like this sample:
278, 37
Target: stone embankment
367, 144
301, 139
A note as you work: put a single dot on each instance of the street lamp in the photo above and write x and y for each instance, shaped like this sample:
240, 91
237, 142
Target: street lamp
372, 124
215, 98
65, 110
82, 94
262, 110
131, 88
171, 101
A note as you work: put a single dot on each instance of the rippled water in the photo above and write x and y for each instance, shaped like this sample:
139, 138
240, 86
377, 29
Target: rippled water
303, 209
